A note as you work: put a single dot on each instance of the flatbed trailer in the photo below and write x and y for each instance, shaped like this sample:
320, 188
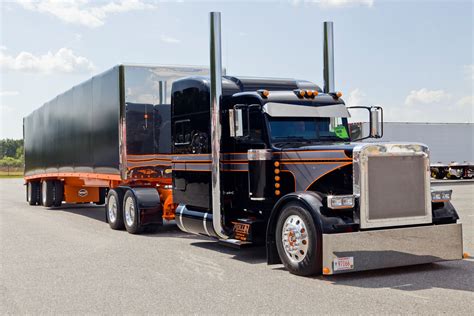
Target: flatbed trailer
243, 161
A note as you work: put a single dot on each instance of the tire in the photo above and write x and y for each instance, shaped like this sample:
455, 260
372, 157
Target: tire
47, 193
131, 213
58, 193
33, 193
113, 209
299, 243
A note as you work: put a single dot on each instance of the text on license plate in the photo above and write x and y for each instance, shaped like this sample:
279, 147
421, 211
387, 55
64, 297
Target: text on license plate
344, 263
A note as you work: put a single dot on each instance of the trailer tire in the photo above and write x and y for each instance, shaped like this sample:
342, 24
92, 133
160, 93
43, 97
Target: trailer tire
47, 193
113, 209
298, 240
58, 193
131, 213
33, 193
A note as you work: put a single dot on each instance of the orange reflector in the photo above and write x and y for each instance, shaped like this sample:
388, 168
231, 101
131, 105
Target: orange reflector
339, 94
277, 192
277, 178
326, 270
465, 255
276, 163
277, 171
277, 185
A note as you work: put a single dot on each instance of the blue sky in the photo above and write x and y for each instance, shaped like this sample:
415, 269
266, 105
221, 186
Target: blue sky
414, 58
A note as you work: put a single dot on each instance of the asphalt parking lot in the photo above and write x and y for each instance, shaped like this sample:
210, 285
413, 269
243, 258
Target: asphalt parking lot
68, 261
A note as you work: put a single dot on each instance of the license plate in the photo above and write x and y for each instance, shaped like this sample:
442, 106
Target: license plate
344, 263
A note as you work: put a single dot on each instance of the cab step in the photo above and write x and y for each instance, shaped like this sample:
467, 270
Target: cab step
235, 243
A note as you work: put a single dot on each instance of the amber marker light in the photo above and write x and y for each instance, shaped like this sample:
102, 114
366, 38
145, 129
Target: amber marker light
465, 255
264, 93
277, 192
338, 94
276, 163
326, 270
277, 178
309, 93
277, 171
277, 185
315, 93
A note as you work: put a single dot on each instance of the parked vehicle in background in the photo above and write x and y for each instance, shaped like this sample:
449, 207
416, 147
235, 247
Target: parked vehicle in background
451, 144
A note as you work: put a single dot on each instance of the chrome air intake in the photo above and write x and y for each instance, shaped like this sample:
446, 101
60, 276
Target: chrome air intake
392, 182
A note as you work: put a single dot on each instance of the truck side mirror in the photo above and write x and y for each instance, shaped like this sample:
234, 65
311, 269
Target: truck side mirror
376, 122
359, 127
236, 123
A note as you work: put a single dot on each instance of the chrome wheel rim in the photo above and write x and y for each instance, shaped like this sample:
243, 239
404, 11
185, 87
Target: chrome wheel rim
129, 211
294, 237
112, 208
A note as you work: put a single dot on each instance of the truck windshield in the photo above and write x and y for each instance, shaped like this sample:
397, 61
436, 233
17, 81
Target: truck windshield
307, 129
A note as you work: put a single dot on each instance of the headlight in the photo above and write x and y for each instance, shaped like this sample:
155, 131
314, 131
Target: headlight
441, 196
340, 201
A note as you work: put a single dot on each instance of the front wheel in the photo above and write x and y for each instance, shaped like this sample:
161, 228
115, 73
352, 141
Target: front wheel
131, 214
298, 241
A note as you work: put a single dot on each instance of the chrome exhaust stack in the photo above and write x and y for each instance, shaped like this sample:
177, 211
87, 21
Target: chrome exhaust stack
328, 47
215, 97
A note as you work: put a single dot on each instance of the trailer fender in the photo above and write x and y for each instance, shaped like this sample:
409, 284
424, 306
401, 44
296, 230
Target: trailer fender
311, 200
149, 204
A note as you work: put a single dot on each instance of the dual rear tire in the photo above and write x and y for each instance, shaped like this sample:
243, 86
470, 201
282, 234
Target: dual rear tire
47, 193
122, 211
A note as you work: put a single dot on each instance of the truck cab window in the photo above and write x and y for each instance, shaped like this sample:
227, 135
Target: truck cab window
182, 132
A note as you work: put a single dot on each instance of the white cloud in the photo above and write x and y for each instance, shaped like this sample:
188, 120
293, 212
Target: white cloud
84, 12
2, 47
466, 101
356, 97
8, 93
425, 96
64, 60
336, 3
168, 39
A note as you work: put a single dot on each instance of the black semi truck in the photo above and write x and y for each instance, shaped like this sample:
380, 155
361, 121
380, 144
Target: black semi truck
264, 161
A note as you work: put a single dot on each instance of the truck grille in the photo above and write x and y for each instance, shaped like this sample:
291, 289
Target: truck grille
396, 187
392, 181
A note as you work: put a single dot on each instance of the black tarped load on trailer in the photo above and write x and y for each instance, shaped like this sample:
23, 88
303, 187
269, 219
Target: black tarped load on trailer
78, 130
94, 126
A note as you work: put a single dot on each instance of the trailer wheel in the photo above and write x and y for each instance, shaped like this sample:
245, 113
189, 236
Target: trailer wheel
33, 193
130, 213
113, 209
47, 193
58, 193
298, 241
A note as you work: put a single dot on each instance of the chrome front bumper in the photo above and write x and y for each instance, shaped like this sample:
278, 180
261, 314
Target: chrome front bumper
387, 248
